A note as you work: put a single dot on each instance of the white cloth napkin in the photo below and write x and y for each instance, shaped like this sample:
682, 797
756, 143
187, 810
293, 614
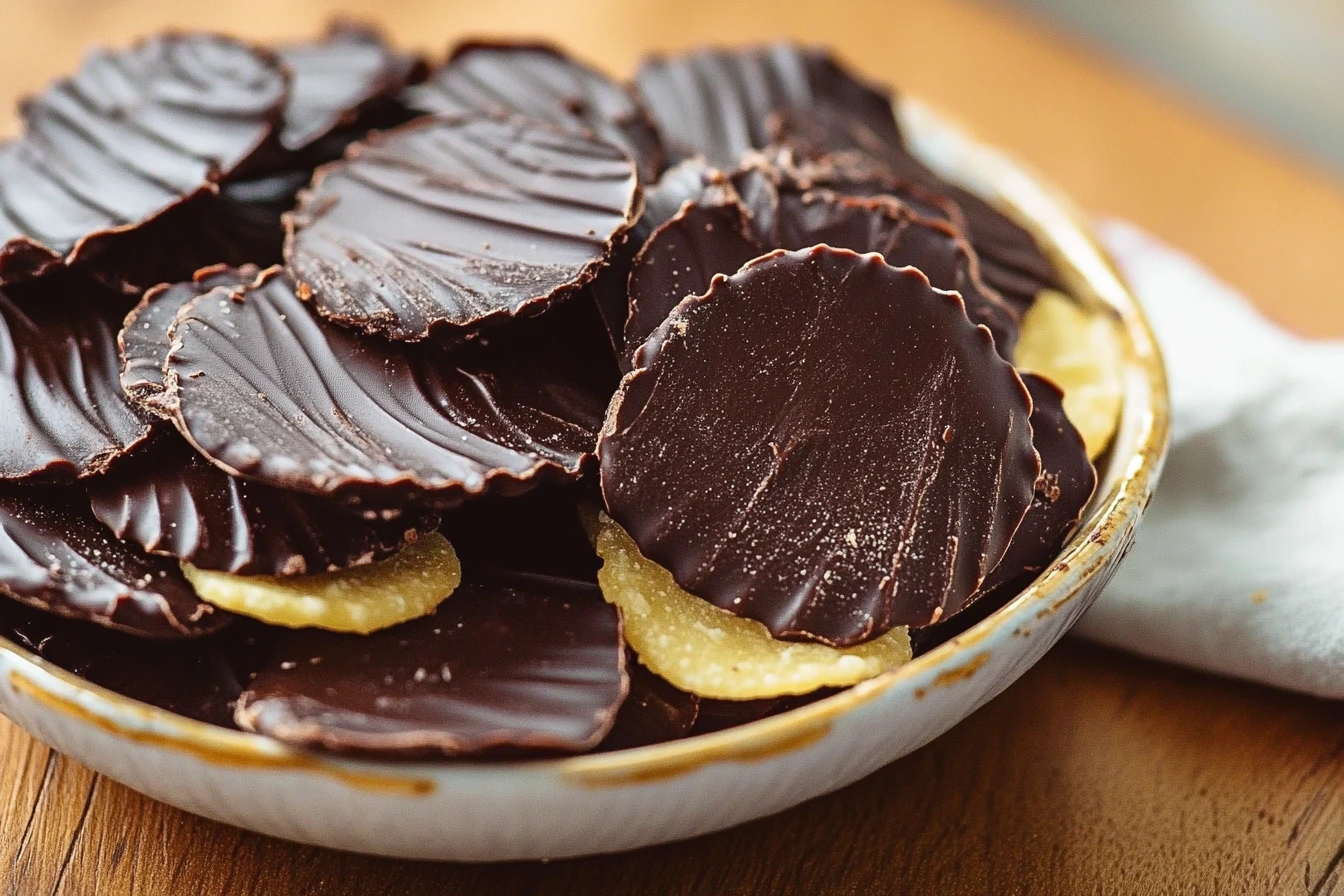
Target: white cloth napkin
1238, 567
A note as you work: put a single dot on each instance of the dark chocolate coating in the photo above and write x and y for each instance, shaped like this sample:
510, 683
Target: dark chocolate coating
143, 340
691, 180
823, 443
702, 240
130, 135
60, 397
541, 82
530, 664
539, 532
1066, 484
272, 393
454, 221
171, 501
55, 556
721, 104
655, 712
200, 679
338, 78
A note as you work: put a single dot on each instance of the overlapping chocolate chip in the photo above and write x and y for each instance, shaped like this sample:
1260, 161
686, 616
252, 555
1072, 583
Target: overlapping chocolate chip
171, 501
272, 393
823, 443
719, 236
456, 221
143, 341
132, 134
348, 73
721, 104
64, 413
541, 82
1063, 489
200, 678
527, 662
55, 556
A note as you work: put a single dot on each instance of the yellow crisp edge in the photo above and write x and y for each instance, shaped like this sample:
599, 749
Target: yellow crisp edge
1081, 352
405, 586
707, 651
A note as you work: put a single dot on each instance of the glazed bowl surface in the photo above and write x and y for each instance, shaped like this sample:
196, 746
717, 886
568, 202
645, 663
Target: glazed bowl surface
553, 808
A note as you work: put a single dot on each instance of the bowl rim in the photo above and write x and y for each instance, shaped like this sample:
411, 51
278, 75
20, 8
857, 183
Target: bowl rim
1089, 274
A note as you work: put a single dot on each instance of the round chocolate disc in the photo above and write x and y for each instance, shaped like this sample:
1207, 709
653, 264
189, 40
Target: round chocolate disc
60, 396
540, 82
453, 221
272, 393
532, 663
823, 443
133, 133
55, 556
171, 501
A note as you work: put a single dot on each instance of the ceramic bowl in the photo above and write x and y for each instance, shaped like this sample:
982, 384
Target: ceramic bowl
617, 801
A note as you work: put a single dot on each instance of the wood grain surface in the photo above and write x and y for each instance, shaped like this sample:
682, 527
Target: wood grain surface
1096, 773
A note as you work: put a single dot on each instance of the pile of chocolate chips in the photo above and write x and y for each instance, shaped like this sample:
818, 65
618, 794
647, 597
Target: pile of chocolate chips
281, 311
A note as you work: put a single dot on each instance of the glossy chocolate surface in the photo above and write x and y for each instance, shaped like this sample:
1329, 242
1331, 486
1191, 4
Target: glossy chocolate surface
721, 104
541, 82
55, 556
64, 413
823, 443
133, 133
270, 392
143, 340
530, 662
169, 500
454, 221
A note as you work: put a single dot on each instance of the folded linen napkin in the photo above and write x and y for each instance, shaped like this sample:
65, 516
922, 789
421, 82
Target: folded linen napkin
1238, 567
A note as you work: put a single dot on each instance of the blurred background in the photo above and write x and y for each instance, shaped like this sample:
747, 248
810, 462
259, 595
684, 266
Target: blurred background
1218, 125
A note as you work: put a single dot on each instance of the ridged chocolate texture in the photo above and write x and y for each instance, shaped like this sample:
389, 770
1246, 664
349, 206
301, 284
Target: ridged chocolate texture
721, 104
702, 240
200, 678
143, 341
823, 443
454, 221
55, 556
528, 663
64, 413
170, 501
130, 135
1066, 484
543, 83
272, 393
337, 78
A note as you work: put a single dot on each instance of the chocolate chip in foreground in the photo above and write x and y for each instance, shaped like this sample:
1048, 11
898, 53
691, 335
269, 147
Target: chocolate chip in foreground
533, 663
270, 392
454, 221
1066, 484
721, 104
64, 413
169, 500
132, 134
55, 556
543, 83
823, 443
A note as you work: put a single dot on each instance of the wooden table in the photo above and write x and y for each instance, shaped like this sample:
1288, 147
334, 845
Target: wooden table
1095, 773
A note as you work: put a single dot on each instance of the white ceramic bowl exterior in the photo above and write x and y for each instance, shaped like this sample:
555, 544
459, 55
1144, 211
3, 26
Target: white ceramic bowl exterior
618, 801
